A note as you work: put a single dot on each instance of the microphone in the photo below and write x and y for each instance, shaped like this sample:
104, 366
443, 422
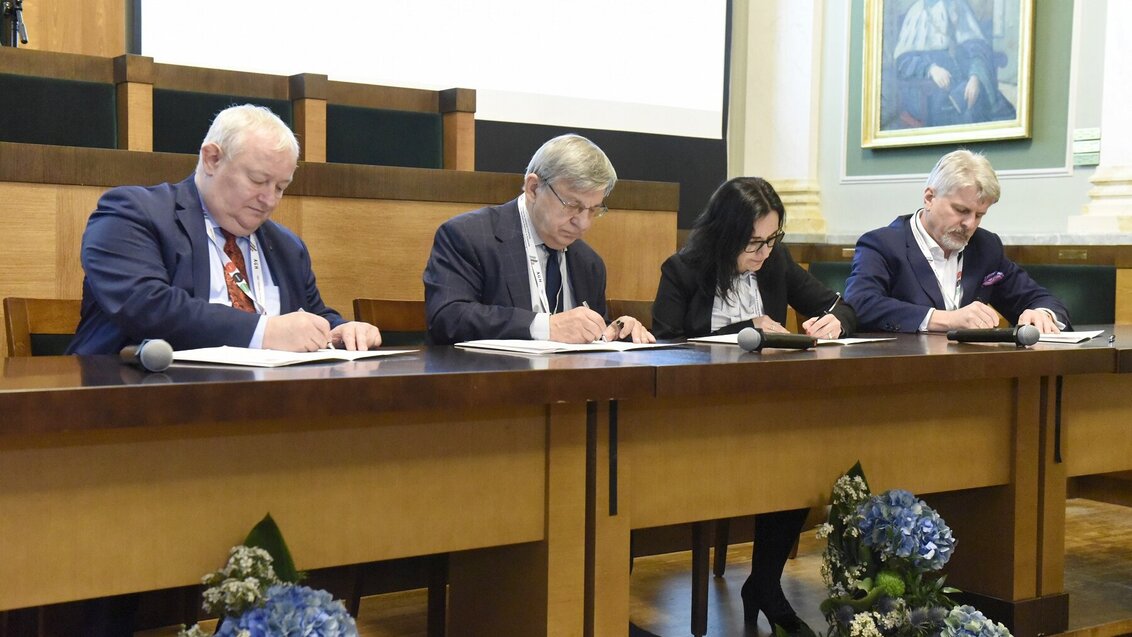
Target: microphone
152, 355
1022, 335
755, 340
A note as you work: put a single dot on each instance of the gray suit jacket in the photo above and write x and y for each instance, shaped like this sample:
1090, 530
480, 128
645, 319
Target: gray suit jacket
476, 281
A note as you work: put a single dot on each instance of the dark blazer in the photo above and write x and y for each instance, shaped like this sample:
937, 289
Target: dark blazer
685, 297
892, 285
145, 255
476, 281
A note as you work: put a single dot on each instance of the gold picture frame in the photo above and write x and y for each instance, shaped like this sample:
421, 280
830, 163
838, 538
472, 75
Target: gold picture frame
915, 53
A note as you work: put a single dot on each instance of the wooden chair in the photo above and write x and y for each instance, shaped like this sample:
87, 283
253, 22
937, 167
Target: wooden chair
401, 322
640, 310
39, 327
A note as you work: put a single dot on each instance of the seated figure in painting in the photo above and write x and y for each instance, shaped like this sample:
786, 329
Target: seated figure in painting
946, 69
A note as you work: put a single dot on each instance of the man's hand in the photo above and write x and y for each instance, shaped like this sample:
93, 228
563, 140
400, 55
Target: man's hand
628, 326
977, 315
972, 90
1039, 319
940, 75
579, 325
356, 336
296, 332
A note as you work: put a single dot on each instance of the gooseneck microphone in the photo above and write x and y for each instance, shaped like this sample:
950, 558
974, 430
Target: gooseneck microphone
152, 355
755, 340
1022, 335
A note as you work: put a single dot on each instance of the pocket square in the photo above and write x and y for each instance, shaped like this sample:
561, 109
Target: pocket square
992, 278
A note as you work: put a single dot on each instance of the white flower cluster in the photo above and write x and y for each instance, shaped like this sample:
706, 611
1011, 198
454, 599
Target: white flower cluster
864, 625
241, 584
233, 593
851, 489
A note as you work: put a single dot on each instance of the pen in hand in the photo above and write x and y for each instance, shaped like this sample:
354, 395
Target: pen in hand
330, 343
830, 309
833, 305
617, 323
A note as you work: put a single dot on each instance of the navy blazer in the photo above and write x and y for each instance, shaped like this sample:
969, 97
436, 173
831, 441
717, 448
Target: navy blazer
477, 284
892, 285
684, 298
145, 255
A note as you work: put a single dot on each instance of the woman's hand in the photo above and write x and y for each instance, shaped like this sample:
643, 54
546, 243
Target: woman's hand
827, 327
767, 324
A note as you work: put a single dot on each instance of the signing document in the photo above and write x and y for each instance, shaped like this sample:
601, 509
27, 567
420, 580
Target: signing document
523, 346
249, 357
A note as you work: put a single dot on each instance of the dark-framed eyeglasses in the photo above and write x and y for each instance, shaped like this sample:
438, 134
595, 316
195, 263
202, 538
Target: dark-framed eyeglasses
575, 208
758, 244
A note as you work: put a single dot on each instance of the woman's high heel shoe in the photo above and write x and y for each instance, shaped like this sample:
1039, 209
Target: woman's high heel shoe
777, 610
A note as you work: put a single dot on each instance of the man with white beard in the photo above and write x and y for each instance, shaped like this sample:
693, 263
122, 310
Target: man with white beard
936, 270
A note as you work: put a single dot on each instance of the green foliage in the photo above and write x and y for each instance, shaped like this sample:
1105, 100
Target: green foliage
267, 536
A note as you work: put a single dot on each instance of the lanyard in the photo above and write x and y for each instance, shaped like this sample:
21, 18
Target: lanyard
256, 268
533, 266
957, 295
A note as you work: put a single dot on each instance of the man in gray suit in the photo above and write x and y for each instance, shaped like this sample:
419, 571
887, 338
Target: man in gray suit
521, 270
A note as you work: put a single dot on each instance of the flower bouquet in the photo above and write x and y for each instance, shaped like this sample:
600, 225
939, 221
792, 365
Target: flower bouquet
881, 567
257, 594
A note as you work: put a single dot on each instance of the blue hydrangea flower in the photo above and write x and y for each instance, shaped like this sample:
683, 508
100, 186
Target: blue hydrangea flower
293, 611
965, 621
898, 525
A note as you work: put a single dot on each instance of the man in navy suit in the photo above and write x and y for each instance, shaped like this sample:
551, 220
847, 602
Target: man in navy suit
521, 270
936, 270
199, 263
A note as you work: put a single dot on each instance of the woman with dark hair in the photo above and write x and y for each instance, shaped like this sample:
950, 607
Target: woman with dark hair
733, 273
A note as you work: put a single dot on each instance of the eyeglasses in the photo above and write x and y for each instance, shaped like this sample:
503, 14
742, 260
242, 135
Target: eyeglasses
575, 208
758, 244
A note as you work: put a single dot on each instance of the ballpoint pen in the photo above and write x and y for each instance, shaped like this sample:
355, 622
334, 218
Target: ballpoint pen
616, 323
835, 302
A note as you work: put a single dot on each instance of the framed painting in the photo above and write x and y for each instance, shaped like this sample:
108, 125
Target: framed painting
946, 71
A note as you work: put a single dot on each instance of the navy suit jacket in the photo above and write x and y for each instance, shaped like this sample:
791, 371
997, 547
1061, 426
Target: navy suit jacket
684, 298
145, 255
476, 281
892, 285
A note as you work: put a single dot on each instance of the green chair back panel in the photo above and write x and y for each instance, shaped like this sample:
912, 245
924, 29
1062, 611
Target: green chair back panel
1088, 291
181, 118
380, 137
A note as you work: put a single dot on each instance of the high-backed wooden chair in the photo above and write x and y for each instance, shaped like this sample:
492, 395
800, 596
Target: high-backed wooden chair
832, 273
401, 322
640, 310
39, 327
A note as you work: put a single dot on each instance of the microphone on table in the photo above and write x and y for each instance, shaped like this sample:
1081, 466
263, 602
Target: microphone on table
1022, 335
755, 340
152, 355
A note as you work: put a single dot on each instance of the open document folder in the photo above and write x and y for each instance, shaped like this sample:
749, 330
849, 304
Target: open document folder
272, 357
520, 346
733, 339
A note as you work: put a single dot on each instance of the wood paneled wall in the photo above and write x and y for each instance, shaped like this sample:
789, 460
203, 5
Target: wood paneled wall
369, 228
89, 27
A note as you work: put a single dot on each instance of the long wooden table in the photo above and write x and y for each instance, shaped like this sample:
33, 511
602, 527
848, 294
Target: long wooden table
730, 433
112, 480
531, 471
